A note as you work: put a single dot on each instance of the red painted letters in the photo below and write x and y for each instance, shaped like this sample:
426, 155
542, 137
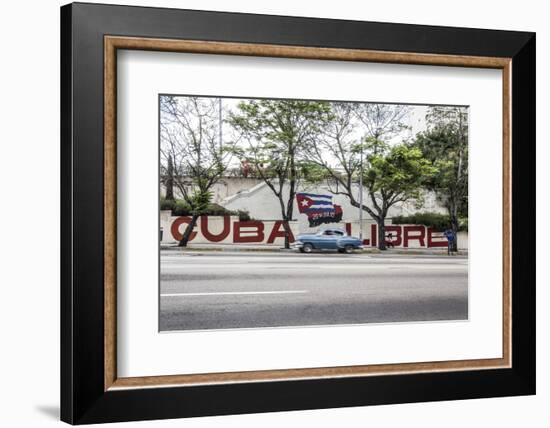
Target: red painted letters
440, 241
220, 236
419, 236
394, 239
257, 235
278, 232
255, 231
175, 228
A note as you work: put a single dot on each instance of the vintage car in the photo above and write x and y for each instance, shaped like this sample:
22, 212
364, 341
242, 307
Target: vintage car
328, 239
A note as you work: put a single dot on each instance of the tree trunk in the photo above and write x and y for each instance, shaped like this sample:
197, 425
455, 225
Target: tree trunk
454, 226
288, 231
290, 202
188, 231
289, 213
381, 235
453, 217
169, 183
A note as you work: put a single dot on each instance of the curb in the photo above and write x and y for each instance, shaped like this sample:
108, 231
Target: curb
219, 249
426, 253
284, 250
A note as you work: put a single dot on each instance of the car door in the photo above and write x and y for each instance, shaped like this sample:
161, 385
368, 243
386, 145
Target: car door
329, 240
338, 236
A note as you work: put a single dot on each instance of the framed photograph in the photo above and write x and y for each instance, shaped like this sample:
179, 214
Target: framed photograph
266, 213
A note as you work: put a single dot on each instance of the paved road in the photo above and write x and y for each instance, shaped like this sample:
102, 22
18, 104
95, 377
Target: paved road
246, 290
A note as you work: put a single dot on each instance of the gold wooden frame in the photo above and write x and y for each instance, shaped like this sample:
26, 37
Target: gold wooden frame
113, 43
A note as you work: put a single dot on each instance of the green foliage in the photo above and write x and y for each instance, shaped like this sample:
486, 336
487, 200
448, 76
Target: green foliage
167, 204
396, 173
196, 203
182, 208
199, 201
281, 120
439, 222
445, 145
314, 173
215, 209
243, 215
357, 143
277, 132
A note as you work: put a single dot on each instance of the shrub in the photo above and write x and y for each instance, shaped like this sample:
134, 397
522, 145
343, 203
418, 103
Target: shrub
167, 204
215, 209
244, 215
439, 222
181, 208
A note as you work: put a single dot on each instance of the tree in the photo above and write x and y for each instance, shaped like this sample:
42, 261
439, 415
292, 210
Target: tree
168, 178
277, 132
394, 174
382, 121
192, 158
353, 143
445, 144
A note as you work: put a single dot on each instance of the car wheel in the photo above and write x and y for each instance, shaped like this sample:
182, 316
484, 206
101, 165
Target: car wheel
307, 248
301, 249
348, 249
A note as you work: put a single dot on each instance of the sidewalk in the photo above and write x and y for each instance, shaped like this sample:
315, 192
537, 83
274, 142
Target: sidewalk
276, 249
223, 247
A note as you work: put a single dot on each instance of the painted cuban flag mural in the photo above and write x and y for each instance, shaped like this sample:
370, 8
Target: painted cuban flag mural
318, 208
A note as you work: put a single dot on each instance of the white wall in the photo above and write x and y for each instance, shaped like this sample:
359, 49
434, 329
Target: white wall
224, 188
228, 230
261, 203
29, 273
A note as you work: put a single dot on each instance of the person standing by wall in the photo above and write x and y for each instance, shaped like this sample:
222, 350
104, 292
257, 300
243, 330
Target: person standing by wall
450, 235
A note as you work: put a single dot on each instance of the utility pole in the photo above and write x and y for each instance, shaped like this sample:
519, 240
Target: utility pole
361, 197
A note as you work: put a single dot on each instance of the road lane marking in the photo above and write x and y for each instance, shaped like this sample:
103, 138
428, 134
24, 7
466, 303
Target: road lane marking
250, 267
234, 293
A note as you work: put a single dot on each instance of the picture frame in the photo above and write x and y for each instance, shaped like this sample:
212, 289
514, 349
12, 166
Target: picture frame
91, 391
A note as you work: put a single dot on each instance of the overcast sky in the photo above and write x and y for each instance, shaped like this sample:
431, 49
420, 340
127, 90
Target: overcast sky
415, 120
